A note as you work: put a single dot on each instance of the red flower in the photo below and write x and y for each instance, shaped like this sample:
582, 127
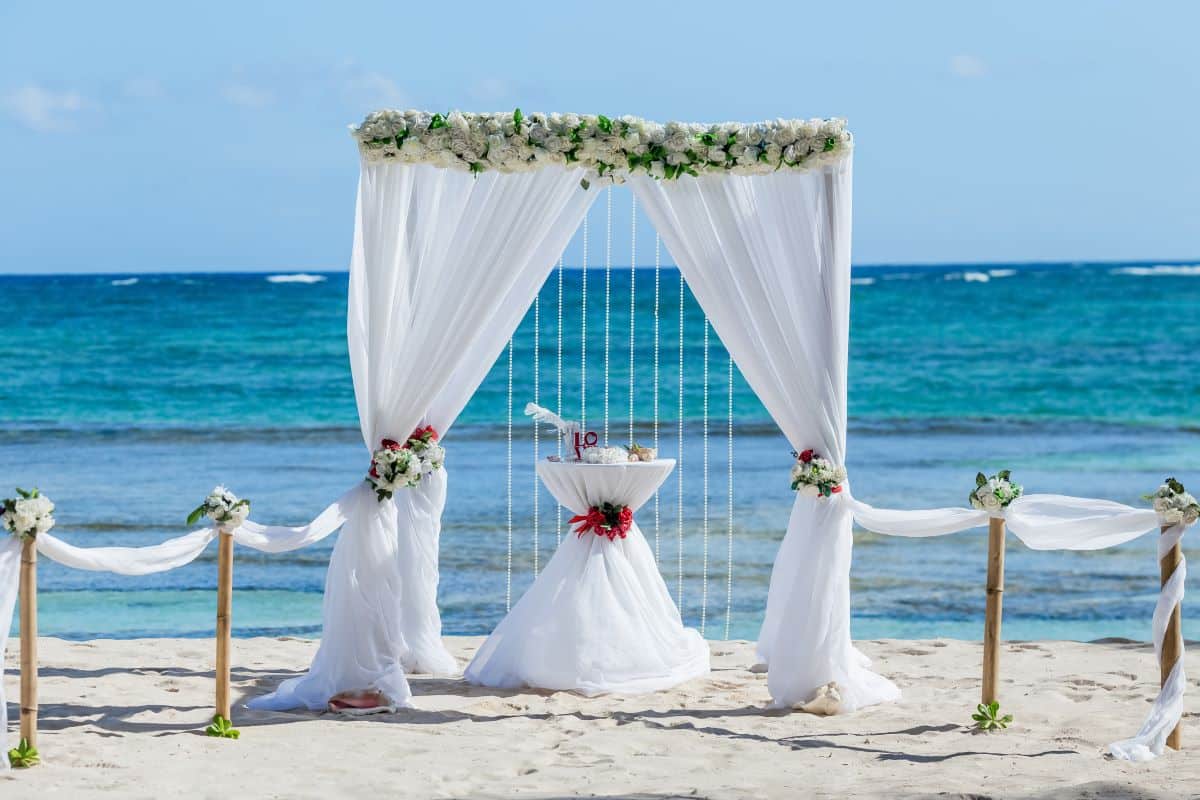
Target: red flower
390, 444
607, 520
374, 472
837, 488
806, 456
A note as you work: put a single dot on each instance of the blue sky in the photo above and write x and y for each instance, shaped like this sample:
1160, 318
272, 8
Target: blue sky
140, 137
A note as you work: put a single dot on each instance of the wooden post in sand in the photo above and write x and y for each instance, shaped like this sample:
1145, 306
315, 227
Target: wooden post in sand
29, 636
994, 611
224, 621
1172, 648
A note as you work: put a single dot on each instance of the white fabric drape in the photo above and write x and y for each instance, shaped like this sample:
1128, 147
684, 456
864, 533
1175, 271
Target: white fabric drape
10, 567
768, 258
444, 265
599, 617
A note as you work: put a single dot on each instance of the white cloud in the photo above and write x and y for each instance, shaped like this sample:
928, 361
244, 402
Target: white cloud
246, 96
144, 88
44, 110
968, 66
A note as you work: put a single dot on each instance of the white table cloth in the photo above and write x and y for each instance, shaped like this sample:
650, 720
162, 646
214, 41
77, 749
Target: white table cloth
598, 618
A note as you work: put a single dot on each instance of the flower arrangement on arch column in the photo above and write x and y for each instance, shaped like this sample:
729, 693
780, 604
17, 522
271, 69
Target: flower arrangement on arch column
401, 466
27, 515
223, 507
814, 476
995, 493
1174, 505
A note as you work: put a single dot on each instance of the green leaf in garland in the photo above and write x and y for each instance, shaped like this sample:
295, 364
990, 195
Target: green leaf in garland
438, 121
583, 182
23, 755
1175, 486
980, 480
604, 123
222, 728
830, 143
518, 118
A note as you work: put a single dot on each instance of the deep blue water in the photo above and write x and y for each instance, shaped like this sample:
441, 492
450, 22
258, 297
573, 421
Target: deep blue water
126, 400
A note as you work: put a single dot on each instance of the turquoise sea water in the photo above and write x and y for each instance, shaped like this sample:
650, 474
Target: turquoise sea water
126, 399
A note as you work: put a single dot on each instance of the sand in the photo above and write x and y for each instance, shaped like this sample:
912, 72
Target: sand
123, 719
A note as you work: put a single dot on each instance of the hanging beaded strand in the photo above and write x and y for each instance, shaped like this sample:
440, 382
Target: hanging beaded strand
508, 490
657, 271
704, 489
679, 467
632, 302
607, 305
729, 506
583, 333
558, 408
537, 399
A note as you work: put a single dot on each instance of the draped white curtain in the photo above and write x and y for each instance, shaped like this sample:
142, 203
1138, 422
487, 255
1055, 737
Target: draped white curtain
768, 258
445, 264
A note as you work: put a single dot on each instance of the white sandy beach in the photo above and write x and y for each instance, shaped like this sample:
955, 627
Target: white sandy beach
123, 719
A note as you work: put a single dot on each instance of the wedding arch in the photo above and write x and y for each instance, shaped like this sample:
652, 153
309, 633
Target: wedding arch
460, 219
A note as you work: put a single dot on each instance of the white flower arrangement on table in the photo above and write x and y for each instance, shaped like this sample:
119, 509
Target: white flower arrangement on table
28, 514
606, 147
605, 455
223, 507
814, 476
995, 493
1174, 505
401, 466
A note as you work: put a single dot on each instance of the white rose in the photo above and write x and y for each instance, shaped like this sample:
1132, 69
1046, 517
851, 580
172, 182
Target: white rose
990, 501
24, 523
809, 490
1172, 516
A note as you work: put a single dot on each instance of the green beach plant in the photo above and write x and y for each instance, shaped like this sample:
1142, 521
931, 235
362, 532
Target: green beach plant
987, 717
23, 755
222, 728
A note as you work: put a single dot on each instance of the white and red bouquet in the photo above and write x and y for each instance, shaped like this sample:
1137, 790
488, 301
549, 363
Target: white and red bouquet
401, 466
608, 519
27, 515
814, 476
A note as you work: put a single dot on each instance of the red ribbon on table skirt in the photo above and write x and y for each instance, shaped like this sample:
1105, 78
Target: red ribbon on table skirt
607, 520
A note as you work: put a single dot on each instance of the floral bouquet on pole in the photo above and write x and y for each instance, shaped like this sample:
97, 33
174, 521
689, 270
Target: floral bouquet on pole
995, 493
223, 507
27, 515
1174, 505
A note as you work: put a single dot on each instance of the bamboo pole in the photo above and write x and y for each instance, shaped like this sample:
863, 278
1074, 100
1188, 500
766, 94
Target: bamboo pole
1172, 648
29, 636
224, 621
994, 611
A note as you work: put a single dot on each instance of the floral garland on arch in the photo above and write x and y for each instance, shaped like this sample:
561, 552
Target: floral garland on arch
1174, 504
605, 146
401, 466
27, 515
995, 493
608, 519
814, 476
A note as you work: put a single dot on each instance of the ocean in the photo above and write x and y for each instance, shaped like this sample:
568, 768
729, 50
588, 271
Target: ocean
126, 398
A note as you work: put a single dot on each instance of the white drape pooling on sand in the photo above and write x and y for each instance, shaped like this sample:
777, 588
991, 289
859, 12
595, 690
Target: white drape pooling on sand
161, 557
768, 258
598, 618
1059, 522
445, 263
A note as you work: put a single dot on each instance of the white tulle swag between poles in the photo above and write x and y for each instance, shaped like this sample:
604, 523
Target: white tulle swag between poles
28, 514
1174, 505
995, 493
814, 476
401, 466
223, 507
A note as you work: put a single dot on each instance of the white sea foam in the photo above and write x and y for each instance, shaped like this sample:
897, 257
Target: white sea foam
1002, 273
976, 277
299, 277
1174, 270
861, 281
124, 281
